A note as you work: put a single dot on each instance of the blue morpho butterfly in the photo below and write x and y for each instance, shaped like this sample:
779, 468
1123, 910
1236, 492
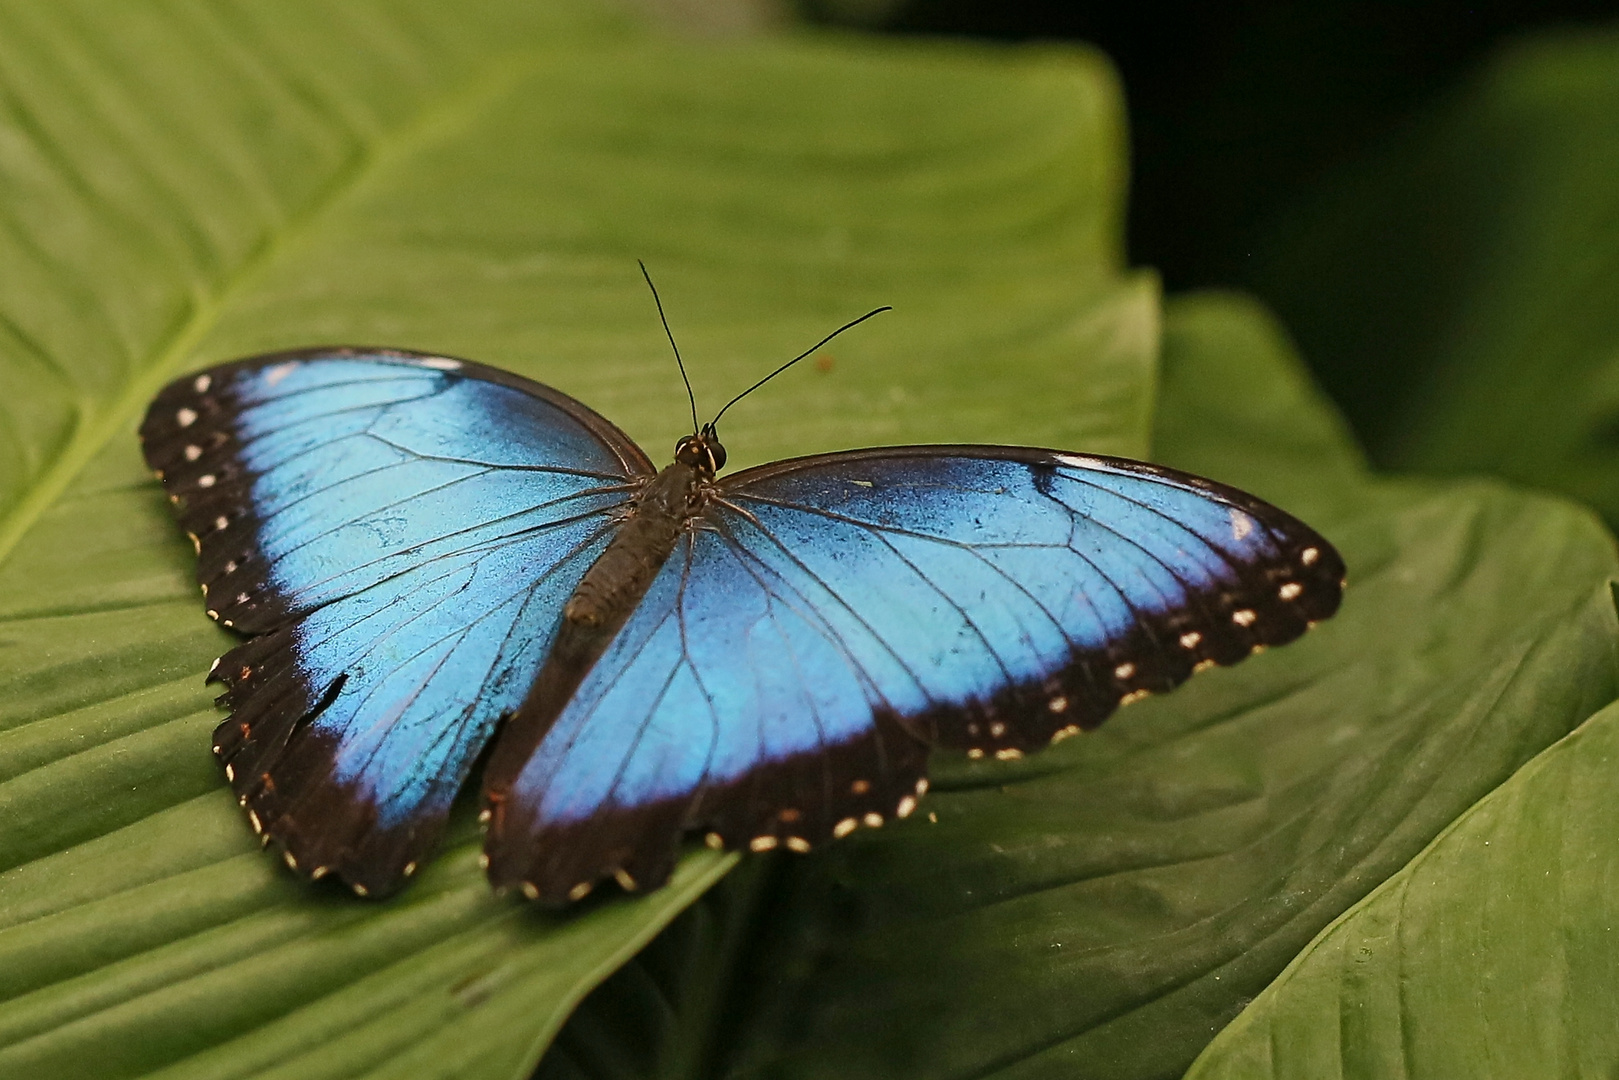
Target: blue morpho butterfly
427, 555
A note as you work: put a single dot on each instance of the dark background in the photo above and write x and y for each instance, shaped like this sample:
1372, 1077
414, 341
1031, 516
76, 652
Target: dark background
1240, 110
1236, 107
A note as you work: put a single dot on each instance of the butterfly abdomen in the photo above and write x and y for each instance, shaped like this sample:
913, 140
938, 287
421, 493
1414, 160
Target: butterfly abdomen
597, 610
620, 577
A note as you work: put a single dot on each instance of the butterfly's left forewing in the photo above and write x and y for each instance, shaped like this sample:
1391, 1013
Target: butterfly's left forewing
830, 618
399, 533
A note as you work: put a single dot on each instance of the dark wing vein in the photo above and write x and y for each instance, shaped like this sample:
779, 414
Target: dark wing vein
1213, 497
500, 467
313, 419
344, 628
686, 658
861, 619
489, 543
972, 624
814, 621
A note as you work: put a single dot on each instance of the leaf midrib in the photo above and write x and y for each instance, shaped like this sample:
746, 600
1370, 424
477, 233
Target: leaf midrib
376, 158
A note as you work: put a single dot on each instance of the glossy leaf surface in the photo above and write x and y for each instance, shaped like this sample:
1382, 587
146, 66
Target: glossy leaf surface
1456, 288
1102, 909
1491, 955
185, 185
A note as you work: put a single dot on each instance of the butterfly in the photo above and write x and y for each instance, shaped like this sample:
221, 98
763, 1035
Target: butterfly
436, 563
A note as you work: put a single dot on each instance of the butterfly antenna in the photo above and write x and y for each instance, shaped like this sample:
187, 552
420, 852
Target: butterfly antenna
807, 352
691, 397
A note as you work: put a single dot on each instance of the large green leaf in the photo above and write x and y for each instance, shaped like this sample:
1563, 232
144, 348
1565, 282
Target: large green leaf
190, 182
1457, 291
1103, 908
1493, 954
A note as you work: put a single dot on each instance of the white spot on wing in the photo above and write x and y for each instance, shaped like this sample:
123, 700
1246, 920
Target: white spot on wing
279, 372
186, 417
207, 480
1309, 555
440, 363
1124, 671
1076, 461
202, 383
1290, 591
193, 452
1241, 525
1245, 617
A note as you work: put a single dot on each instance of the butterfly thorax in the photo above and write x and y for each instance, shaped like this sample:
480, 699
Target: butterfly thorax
618, 579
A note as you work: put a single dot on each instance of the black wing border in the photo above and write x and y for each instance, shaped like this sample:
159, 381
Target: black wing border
378, 864
1026, 455
635, 460
1268, 604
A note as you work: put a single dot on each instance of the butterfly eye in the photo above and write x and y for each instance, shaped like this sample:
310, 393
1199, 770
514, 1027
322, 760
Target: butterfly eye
703, 453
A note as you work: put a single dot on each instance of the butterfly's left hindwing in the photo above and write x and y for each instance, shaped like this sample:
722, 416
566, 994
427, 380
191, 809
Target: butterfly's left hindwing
728, 700
399, 532
827, 619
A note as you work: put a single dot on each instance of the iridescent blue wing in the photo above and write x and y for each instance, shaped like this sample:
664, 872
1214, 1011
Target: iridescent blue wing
834, 616
398, 532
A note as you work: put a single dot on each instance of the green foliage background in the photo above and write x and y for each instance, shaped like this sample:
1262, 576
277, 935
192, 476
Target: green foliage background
1385, 850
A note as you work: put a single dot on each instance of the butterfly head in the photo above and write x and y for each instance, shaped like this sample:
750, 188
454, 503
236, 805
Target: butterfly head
702, 452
